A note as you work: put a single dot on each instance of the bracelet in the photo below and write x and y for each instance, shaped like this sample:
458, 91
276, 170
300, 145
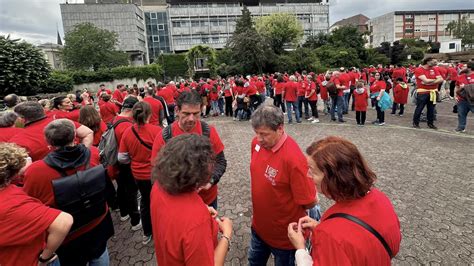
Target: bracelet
228, 241
40, 259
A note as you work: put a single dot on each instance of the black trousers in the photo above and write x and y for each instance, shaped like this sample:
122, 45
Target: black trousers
314, 109
228, 106
360, 117
278, 102
395, 107
380, 113
127, 191
145, 189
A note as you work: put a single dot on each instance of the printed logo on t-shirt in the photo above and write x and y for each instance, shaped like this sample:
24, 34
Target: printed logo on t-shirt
270, 174
257, 148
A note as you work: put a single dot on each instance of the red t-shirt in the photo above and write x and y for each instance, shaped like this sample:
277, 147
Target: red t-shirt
280, 188
108, 111
279, 87
337, 81
310, 87
139, 154
6, 133
442, 71
399, 73
98, 133
71, 115
341, 242
120, 128
260, 86
213, 95
345, 79
156, 108
302, 85
183, 230
430, 73
227, 91
453, 74
360, 100
354, 76
464, 79
251, 89
118, 96
168, 95
23, 224
99, 92
38, 184
377, 86
291, 90
208, 196
33, 140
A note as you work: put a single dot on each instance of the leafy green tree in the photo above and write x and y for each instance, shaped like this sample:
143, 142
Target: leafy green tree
348, 37
280, 29
23, 70
373, 57
331, 56
462, 29
201, 51
89, 47
299, 60
58, 82
244, 22
316, 41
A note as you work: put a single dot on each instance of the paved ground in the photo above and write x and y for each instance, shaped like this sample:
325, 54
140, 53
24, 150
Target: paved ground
427, 174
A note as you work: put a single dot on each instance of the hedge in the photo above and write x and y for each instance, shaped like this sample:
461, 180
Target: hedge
57, 82
174, 65
104, 75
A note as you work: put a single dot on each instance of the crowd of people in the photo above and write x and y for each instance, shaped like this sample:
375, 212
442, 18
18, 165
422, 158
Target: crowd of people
67, 162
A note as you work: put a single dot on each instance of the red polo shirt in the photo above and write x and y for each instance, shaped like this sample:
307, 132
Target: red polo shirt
208, 196
430, 73
23, 224
280, 188
6, 133
291, 91
156, 108
341, 242
33, 140
183, 230
38, 184
139, 154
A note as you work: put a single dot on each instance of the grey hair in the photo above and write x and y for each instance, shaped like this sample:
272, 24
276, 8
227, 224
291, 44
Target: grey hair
60, 132
267, 116
8, 119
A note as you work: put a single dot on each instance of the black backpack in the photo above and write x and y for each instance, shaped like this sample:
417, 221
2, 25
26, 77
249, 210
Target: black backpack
331, 88
82, 194
167, 134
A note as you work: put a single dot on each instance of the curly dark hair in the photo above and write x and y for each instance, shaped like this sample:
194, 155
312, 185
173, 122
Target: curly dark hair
184, 164
347, 176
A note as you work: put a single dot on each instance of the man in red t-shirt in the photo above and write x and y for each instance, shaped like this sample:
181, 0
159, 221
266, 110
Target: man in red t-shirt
188, 121
108, 110
427, 80
338, 99
88, 242
103, 89
281, 188
168, 94
119, 95
157, 111
35, 120
290, 95
466, 77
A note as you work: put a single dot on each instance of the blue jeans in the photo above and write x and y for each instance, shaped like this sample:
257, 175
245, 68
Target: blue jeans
423, 100
295, 108
463, 109
259, 252
339, 102
347, 96
103, 260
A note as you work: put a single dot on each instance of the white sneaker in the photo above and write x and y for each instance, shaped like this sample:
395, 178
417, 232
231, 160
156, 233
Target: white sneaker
146, 240
124, 218
137, 227
309, 119
315, 121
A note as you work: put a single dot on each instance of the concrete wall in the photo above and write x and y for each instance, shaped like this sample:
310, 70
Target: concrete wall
112, 85
382, 29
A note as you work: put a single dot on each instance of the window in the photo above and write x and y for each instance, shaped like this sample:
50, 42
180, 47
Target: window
452, 45
195, 23
408, 16
161, 27
153, 15
176, 24
432, 19
156, 38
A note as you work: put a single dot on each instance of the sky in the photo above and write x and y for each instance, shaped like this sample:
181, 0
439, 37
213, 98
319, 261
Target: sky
36, 21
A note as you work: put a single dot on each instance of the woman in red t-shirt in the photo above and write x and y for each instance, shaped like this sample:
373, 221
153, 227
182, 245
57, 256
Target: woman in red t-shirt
135, 149
30, 232
279, 87
376, 90
89, 117
184, 228
63, 107
311, 96
342, 175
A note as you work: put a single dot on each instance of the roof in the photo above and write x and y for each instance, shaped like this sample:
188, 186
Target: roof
356, 20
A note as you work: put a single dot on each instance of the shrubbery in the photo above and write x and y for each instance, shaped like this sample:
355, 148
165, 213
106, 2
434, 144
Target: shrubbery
57, 82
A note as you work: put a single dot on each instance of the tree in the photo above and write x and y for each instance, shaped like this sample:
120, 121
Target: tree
23, 68
373, 57
244, 22
331, 56
348, 37
280, 29
462, 29
299, 60
316, 41
250, 51
201, 52
89, 47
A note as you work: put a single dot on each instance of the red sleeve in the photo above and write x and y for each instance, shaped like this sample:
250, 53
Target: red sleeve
382, 85
157, 144
418, 72
198, 247
26, 221
302, 187
123, 147
217, 145
326, 251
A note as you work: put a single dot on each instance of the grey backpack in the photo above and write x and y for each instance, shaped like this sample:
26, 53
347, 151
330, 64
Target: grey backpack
108, 146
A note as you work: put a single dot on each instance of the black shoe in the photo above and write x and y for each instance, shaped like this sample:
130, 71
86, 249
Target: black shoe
333, 119
416, 126
432, 126
342, 121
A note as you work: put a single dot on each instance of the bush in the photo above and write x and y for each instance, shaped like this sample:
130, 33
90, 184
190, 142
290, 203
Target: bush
57, 82
174, 65
128, 72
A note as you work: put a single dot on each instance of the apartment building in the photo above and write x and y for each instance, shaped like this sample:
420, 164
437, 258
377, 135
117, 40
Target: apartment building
426, 25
